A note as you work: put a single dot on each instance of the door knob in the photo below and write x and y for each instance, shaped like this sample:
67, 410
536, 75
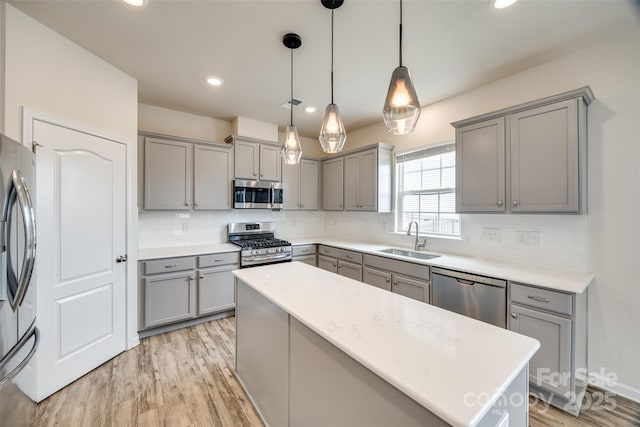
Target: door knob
514, 315
499, 202
515, 203
121, 258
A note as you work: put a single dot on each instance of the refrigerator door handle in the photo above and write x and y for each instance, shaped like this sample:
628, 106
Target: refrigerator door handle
20, 284
34, 332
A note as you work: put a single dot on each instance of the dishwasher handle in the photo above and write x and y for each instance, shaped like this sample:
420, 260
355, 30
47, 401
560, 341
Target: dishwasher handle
469, 279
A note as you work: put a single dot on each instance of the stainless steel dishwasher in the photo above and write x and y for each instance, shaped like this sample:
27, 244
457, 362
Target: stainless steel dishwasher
479, 297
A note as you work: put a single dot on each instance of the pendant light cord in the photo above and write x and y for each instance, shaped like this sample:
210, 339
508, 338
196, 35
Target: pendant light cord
332, 56
400, 33
291, 99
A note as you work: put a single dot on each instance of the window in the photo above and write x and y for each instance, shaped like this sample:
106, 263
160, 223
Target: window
427, 190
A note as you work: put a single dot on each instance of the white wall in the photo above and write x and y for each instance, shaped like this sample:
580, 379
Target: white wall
48, 73
612, 229
171, 122
2, 62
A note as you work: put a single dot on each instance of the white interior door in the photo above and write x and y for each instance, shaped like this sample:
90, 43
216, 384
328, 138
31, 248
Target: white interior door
81, 225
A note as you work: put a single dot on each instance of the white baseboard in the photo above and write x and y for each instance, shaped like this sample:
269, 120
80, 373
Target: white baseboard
618, 388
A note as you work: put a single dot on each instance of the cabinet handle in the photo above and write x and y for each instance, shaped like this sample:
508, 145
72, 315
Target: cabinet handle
186, 204
499, 203
349, 257
514, 315
261, 175
218, 260
195, 204
191, 278
539, 299
340, 205
395, 283
515, 203
201, 277
387, 280
171, 266
305, 251
334, 266
301, 205
254, 174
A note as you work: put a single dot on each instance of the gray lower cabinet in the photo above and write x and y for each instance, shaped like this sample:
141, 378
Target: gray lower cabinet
174, 290
404, 278
305, 253
341, 261
168, 298
557, 371
528, 158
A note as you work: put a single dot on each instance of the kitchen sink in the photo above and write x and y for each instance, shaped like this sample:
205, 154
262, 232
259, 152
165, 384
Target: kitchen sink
410, 254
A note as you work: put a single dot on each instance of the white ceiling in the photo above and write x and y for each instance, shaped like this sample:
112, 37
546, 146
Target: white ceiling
449, 46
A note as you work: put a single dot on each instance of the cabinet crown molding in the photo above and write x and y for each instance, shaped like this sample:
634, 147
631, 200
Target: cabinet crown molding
233, 138
584, 92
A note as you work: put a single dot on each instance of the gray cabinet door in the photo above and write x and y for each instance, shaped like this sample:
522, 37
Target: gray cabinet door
544, 158
480, 167
216, 290
167, 174
352, 182
378, 278
212, 177
550, 367
309, 184
349, 269
291, 186
369, 180
269, 163
246, 163
328, 263
168, 298
412, 288
332, 184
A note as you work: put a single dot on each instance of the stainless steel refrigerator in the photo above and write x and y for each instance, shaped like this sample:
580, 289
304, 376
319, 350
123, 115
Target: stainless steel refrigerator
18, 333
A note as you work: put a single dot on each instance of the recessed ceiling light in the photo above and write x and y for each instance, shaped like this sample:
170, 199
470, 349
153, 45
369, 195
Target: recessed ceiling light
136, 2
501, 4
310, 109
214, 81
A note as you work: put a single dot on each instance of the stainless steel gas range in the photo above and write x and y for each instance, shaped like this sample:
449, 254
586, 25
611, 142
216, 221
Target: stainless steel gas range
258, 244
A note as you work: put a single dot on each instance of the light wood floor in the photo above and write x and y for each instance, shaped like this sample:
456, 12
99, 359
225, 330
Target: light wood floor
185, 378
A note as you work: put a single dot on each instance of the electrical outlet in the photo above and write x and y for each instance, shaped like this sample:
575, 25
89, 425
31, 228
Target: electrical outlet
491, 234
522, 237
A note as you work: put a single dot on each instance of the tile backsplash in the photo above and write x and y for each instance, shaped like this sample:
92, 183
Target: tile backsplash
558, 241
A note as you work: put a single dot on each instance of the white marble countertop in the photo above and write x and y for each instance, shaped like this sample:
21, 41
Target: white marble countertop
454, 366
562, 280
185, 250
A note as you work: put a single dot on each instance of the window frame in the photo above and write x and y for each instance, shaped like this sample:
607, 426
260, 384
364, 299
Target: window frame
400, 159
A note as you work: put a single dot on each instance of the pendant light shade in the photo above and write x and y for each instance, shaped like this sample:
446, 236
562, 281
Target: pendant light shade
401, 107
332, 134
291, 147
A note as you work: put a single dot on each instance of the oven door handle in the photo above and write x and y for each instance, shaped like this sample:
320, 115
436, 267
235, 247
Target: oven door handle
267, 257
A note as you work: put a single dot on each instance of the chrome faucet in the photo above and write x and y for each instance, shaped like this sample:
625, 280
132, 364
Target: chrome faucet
419, 243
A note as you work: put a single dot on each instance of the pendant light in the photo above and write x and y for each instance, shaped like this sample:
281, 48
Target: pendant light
401, 108
291, 147
332, 135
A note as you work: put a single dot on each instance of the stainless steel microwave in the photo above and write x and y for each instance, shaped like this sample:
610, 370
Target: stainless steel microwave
257, 194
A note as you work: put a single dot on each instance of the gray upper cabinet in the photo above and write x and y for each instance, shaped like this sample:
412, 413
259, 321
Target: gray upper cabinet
212, 177
301, 184
332, 184
544, 158
182, 174
480, 167
167, 174
255, 159
367, 182
530, 158
247, 159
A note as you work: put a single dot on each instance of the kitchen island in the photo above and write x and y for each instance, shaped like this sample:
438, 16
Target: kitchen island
315, 348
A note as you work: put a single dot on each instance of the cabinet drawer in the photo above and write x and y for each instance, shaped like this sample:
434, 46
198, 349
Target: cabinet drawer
303, 250
407, 268
169, 265
215, 260
307, 259
341, 254
542, 298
